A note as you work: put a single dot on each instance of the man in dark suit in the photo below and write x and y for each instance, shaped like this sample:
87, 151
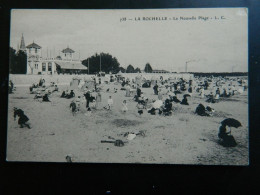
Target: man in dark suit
87, 96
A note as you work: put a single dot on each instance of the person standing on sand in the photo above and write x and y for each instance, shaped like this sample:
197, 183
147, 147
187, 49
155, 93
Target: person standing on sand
109, 103
155, 89
160, 96
202, 93
124, 106
73, 107
87, 96
138, 92
98, 99
127, 88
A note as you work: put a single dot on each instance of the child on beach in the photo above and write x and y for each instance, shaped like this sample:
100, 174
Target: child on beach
124, 106
73, 107
140, 107
109, 103
78, 102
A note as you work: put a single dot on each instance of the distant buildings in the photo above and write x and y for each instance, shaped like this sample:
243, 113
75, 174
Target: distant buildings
64, 64
160, 71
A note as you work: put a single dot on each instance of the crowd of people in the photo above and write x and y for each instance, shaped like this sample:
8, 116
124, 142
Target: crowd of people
166, 94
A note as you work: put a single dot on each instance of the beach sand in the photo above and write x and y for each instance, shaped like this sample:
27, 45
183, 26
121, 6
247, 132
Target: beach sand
183, 138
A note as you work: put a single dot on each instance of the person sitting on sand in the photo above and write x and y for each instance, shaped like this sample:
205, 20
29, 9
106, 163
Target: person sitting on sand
223, 132
175, 99
167, 106
23, 119
71, 95
210, 110
167, 109
140, 106
124, 106
73, 107
152, 111
45, 98
200, 110
184, 101
63, 95
38, 95
211, 98
56, 88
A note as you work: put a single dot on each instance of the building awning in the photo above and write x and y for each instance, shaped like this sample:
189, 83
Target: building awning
71, 65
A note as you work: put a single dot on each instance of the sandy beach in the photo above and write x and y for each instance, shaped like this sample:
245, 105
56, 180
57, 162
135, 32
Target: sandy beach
183, 138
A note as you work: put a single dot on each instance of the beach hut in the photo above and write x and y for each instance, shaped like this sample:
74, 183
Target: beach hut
74, 83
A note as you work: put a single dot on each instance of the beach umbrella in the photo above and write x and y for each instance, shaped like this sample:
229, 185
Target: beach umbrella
231, 122
186, 95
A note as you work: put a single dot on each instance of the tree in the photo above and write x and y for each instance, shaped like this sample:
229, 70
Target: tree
17, 62
148, 68
137, 70
122, 69
108, 63
12, 58
130, 69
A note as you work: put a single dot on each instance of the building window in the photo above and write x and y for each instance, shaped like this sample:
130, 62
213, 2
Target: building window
49, 66
35, 66
29, 50
43, 66
35, 50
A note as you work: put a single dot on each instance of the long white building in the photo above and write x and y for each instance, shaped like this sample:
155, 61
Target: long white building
64, 64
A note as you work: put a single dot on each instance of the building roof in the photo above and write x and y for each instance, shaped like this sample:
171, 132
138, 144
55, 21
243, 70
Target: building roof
34, 45
160, 71
67, 50
71, 65
22, 45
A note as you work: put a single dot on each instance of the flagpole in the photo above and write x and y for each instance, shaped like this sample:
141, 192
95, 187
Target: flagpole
88, 65
100, 62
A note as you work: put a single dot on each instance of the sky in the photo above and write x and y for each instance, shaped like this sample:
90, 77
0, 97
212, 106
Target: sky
205, 45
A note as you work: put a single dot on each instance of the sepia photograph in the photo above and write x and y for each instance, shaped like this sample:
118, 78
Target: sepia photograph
146, 86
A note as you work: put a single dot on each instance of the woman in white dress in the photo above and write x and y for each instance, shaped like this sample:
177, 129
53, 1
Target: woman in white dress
124, 106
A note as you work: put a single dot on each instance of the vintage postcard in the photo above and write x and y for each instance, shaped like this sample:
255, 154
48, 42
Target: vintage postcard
154, 86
